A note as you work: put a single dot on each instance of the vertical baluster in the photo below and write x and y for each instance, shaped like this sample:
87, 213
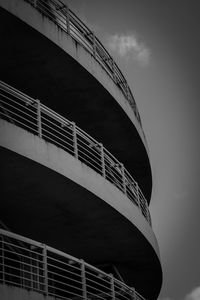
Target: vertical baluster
134, 294
3, 258
102, 160
113, 70
35, 3
45, 270
94, 44
123, 178
112, 287
74, 132
138, 196
39, 121
68, 19
83, 278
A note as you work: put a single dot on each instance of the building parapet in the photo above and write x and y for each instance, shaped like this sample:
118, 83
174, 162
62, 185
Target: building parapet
30, 114
65, 18
31, 265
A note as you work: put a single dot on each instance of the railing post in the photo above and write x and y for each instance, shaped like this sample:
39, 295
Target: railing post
83, 278
102, 160
134, 295
35, 3
94, 44
68, 19
148, 217
3, 265
123, 178
75, 139
128, 92
39, 121
45, 270
138, 197
112, 287
113, 70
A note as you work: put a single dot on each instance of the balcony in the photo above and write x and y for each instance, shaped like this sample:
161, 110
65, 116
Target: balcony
49, 71
30, 114
34, 266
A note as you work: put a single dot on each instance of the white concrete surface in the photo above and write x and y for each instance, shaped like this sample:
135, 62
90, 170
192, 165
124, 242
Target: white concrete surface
31, 146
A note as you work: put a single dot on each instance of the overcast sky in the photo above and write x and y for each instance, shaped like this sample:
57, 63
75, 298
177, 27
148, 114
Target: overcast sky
156, 44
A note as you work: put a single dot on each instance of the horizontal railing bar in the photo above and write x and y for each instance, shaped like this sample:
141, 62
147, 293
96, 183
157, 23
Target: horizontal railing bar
59, 289
65, 283
17, 103
96, 283
61, 127
12, 91
95, 295
23, 271
24, 285
65, 270
59, 281
47, 138
89, 157
16, 109
13, 113
66, 277
18, 122
56, 131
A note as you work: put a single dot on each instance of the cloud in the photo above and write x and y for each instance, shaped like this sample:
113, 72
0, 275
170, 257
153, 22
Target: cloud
128, 46
194, 295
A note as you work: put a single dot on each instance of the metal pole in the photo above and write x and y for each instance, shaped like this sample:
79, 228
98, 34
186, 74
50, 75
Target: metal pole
68, 19
123, 178
45, 270
75, 139
83, 277
112, 287
94, 44
138, 197
134, 295
39, 121
102, 160
3, 265
113, 70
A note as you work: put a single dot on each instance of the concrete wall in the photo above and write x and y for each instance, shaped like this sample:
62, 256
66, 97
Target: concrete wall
8, 292
24, 143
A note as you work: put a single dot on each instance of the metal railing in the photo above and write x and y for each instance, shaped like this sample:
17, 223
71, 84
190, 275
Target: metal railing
60, 14
32, 115
28, 264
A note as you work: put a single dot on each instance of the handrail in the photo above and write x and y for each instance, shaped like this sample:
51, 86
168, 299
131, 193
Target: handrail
65, 18
35, 266
30, 114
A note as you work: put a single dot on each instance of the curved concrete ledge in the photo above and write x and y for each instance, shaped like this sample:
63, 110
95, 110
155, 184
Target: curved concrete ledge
58, 200
8, 292
31, 146
32, 17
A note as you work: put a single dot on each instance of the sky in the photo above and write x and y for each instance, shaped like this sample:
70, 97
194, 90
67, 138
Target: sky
156, 44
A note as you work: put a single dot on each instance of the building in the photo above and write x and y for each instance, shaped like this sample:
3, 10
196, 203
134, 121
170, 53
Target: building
75, 171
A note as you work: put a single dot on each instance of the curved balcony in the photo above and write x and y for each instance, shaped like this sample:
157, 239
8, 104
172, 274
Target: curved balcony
30, 114
62, 16
66, 47
31, 265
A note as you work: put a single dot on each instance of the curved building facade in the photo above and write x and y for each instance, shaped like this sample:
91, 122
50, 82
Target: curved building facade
75, 170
